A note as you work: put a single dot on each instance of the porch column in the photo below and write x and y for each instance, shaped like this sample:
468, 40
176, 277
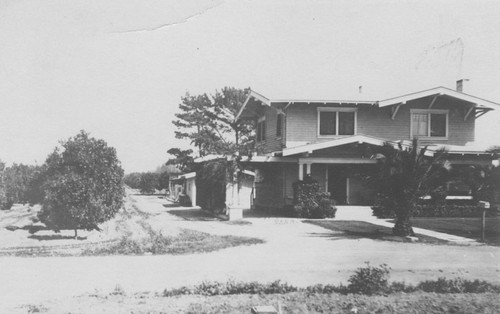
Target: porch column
301, 171
308, 169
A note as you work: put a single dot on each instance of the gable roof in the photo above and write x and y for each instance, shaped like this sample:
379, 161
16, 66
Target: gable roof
255, 100
439, 91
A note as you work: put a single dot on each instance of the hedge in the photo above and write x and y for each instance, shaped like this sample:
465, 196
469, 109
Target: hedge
436, 210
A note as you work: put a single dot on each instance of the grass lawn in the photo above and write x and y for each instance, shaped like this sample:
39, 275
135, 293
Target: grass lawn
464, 227
187, 242
295, 302
360, 229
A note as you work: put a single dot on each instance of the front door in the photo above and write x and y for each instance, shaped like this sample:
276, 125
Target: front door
337, 184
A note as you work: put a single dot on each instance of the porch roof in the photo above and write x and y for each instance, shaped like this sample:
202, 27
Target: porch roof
333, 143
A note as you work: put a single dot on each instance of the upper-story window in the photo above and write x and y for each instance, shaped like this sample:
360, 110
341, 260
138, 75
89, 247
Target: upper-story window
336, 121
279, 125
429, 123
261, 129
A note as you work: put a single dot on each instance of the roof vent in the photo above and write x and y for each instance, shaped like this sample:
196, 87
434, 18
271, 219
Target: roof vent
460, 85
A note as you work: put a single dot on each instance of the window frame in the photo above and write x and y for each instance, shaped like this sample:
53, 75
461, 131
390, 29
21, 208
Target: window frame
429, 113
337, 124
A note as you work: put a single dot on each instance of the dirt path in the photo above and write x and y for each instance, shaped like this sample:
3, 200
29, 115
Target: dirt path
299, 253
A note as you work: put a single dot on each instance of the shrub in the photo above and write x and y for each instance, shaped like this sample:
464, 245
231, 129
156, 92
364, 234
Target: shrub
369, 280
184, 200
453, 209
211, 288
457, 285
366, 280
447, 210
310, 202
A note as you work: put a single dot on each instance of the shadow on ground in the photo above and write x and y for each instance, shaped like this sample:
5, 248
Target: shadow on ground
192, 214
253, 213
348, 229
54, 237
31, 228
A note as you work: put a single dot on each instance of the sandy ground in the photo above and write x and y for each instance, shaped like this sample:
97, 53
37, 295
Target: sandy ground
295, 252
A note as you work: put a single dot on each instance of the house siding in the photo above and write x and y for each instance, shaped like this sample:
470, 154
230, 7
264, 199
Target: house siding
272, 143
302, 122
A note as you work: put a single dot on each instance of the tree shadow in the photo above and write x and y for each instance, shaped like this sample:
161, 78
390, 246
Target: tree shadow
171, 205
32, 229
194, 214
254, 213
55, 237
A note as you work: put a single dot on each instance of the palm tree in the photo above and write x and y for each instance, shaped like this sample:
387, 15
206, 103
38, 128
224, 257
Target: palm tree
405, 175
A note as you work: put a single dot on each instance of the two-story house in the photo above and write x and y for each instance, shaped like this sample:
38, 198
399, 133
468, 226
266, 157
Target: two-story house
332, 140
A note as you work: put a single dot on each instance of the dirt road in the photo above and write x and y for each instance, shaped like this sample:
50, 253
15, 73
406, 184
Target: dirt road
295, 252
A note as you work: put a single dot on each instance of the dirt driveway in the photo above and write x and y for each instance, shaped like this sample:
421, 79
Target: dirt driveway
295, 252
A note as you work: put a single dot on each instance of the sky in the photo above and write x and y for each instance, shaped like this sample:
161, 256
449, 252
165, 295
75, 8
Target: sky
118, 68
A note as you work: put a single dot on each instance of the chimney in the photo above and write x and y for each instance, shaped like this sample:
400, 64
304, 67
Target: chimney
460, 85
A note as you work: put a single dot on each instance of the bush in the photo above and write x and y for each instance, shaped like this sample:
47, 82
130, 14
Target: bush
310, 202
366, 280
211, 288
184, 200
457, 285
435, 210
369, 280
447, 210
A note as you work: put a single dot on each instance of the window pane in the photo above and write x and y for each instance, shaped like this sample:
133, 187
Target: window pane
438, 125
346, 123
419, 124
327, 123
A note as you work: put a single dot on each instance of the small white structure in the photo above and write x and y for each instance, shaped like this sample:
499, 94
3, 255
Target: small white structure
239, 195
184, 184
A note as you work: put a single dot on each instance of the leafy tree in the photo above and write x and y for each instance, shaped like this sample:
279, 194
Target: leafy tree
183, 159
163, 180
208, 122
83, 185
133, 180
405, 175
148, 183
18, 183
483, 181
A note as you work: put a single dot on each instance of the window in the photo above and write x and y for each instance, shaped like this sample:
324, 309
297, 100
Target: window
336, 121
261, 130
429, 123
279, 125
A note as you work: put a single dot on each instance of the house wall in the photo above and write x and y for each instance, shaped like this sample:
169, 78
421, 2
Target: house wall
302, 122
272, 142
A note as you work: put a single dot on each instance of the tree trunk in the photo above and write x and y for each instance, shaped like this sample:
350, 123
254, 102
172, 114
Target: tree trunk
76, 234
402, 227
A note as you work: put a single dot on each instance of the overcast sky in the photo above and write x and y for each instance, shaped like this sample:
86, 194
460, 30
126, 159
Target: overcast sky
118, 68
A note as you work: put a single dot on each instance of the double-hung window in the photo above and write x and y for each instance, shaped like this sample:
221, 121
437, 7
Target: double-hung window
429, 123
261, 129
336, 121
